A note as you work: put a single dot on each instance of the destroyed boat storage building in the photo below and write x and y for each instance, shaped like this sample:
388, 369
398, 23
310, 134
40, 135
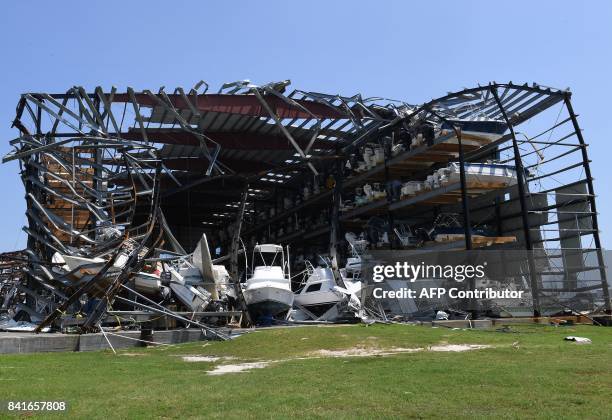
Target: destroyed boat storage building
127, 182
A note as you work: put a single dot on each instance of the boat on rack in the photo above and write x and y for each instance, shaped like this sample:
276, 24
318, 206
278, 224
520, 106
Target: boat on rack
482, 173
267, 291
483, 130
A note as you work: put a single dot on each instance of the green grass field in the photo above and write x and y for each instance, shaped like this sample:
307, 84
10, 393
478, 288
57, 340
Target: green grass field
530, 372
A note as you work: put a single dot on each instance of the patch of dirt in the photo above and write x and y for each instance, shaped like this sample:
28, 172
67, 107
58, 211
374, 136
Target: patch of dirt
241, 367
459, 347
352, 352
364, 352
132, 354
204, 357
201, 358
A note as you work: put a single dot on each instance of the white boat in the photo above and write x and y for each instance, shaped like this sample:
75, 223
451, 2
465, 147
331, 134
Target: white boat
267, 291
81, 266
86, 268
477, 172
186, 285
319, 291
351, 273
320, 298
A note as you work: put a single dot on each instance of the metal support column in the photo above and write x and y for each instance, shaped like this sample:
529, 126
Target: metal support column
498, 218
589, 179
520, 173
335, 224
234, 254
389, 189
467, 225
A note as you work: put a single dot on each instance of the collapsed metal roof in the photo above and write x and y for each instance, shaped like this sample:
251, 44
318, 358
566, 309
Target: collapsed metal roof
243, 129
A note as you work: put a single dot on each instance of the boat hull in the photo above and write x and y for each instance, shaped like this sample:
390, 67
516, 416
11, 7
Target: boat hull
267, 300
316, 298
319, 309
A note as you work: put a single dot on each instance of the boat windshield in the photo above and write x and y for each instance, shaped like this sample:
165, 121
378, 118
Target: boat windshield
268, 255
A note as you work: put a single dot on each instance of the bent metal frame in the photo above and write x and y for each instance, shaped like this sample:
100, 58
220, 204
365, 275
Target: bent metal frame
190, 162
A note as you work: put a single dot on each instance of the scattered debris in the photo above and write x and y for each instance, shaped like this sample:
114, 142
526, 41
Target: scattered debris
441, 316
7, 324
578, 340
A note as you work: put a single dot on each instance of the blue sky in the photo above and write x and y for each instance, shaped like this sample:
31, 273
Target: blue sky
412, 51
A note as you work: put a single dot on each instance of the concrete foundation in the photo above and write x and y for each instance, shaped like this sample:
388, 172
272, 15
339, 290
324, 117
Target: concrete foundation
11, 342
498, 322
54, 342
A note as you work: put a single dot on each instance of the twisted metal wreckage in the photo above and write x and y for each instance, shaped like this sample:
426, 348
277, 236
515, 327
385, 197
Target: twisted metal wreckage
120, 185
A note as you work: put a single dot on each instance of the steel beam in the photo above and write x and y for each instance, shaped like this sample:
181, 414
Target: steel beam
520, 178
591, 198
241, 105
234, 253
228, 139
